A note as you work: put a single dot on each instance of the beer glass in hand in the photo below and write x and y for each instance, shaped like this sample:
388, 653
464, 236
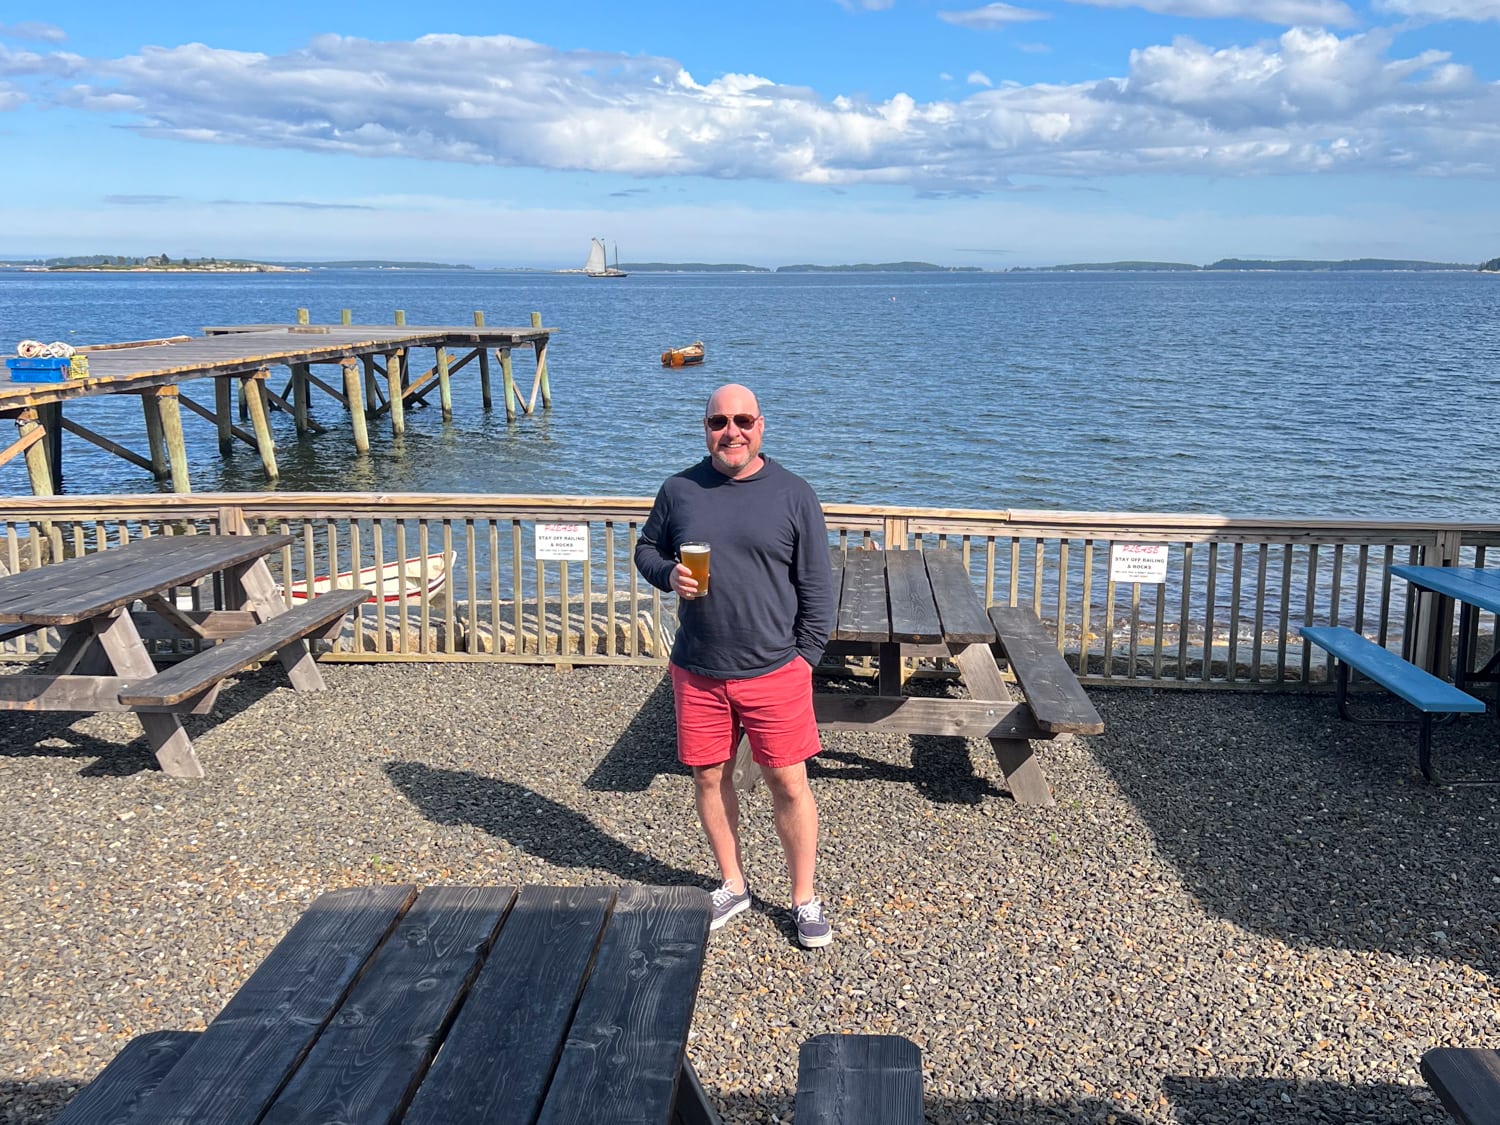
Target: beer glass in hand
694, 556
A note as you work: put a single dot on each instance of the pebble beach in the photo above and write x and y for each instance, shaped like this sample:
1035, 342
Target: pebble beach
1239, 910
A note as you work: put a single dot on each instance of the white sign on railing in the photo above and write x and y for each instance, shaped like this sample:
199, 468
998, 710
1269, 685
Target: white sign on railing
568, 542
1138, 562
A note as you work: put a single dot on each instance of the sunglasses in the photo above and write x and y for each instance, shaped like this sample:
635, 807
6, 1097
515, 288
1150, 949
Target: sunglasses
717, 422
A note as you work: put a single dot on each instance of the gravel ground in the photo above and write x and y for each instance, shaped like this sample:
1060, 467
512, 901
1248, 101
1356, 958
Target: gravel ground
1239, 910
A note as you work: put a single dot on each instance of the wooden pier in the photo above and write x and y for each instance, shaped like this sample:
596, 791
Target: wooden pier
376, 380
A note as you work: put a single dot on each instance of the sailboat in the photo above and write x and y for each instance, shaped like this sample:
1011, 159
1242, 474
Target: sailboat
596, 266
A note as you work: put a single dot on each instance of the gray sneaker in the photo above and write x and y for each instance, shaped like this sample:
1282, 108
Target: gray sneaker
813, 930
727, 904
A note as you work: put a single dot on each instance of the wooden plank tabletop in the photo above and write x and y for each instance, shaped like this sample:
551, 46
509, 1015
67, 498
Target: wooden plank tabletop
64, 593
457, 1004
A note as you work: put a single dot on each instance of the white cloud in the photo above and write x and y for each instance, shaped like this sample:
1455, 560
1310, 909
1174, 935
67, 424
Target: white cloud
1333, 13
1477, 11
991, 16
34, 31
978, 78
1308, 101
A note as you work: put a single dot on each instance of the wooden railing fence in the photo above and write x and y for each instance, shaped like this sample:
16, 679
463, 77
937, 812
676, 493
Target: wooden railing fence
1227, 615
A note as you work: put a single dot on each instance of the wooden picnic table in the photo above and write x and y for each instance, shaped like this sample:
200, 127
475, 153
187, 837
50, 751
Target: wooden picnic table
449, 1005
103, 662
922, 603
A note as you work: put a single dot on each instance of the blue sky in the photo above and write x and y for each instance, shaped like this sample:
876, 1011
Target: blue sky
993, 135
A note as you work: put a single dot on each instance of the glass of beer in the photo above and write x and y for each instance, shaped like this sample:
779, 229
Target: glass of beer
694, 556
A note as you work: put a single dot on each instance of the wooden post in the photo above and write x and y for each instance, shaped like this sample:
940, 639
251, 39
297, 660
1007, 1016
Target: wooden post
370, 385
541, 369
445, 390
394, 361
346, 317
154, 436
508, 383
51, 419
302, 316
170, 411
299, 396
222, 407
356, 405
36, 457
484, 365
401, 316
264, 442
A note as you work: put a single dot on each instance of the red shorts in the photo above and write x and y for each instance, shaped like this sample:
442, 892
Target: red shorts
775, 711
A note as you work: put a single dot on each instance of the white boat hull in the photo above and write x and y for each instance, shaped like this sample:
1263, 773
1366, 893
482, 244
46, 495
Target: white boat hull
388, 583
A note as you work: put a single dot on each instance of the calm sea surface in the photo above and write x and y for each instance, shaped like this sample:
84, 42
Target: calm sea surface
1253, 394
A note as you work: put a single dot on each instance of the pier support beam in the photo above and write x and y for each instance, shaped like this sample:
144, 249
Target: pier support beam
155, 440
223, 420
445, 389
299, 396
394, 363
356, 405
255, 399
508, 383
484, 367
541, 369
37, 466
169, 410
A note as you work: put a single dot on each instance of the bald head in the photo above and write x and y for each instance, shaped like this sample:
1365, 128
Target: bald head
733, 429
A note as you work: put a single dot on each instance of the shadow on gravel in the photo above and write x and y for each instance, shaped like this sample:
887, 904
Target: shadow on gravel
34, 1103
1231, 1101
1291, 823
941, 770
537, 825
52, 734
646, 748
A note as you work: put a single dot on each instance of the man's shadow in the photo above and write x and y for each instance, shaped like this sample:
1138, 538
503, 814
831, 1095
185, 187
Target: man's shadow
645, 749
537, 825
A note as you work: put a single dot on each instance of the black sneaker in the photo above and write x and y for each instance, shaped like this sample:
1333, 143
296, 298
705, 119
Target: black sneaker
813, 930
727, 904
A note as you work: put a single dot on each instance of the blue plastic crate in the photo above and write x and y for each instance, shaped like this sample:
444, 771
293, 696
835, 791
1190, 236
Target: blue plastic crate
44, 370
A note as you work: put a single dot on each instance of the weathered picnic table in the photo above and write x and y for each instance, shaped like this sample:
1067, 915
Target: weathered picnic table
922, 603
441, 1007
103, 662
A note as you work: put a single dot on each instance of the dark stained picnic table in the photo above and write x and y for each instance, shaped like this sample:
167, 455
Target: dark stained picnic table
103, 662
922, 603
450, 1005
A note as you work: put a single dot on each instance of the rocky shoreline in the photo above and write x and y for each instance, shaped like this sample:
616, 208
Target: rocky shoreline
1239, 910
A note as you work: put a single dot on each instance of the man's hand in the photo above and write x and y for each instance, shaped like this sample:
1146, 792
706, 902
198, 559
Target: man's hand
684, 585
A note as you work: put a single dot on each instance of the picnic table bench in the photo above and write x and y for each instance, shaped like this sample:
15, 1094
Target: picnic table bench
103, 663
1426, 693
1467, 1082
444, 1006
923, 603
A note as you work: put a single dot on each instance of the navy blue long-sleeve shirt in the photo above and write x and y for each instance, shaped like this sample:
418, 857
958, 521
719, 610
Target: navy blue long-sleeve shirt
770, 591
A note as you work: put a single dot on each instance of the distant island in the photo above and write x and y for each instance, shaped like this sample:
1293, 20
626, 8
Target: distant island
1288, 264
880, 267
1492, 266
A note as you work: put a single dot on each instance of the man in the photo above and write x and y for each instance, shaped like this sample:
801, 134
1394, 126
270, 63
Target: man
746, 647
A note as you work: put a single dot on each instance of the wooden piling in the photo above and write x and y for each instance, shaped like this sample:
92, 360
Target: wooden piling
541, 369
346, 317
302, 316
508, 382
400, 316
170, 411
299, 396
222, 418
37, 467
154, 438
255, 397
51, 418
445, 390
356, 405
394, 361
484, 366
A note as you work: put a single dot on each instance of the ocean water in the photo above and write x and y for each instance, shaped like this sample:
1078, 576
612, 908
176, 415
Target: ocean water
1314, 395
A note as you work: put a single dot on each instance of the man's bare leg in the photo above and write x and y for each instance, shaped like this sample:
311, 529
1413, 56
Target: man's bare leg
796, 824
719, 813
